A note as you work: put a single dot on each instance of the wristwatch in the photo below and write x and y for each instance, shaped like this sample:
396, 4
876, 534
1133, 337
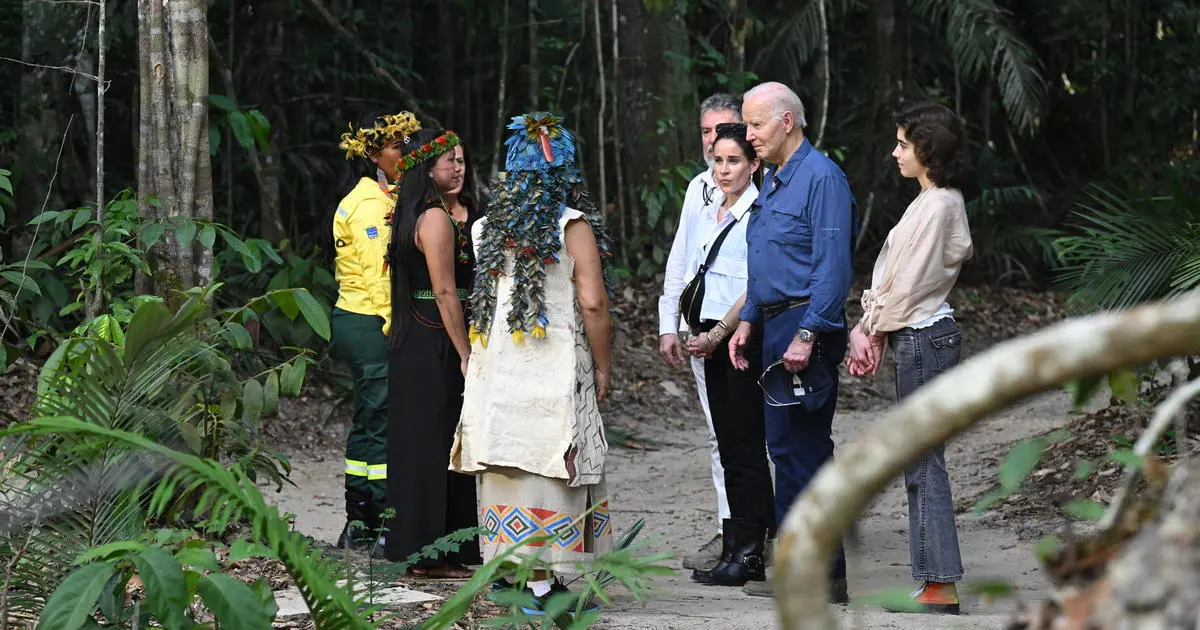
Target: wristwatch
805, 335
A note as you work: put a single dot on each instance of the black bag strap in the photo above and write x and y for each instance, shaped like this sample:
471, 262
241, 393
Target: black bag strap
716, 247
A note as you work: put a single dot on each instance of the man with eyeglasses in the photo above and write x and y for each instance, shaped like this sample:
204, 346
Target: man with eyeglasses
800, 242
714, 110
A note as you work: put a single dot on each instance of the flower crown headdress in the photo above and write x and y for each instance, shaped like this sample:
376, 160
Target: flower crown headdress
433, 148
361, 142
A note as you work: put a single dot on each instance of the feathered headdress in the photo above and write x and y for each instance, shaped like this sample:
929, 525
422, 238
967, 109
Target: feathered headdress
362, 142
539, 143
539, 181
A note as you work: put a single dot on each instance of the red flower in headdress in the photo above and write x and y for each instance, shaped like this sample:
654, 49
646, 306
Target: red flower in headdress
441, 140
427, 147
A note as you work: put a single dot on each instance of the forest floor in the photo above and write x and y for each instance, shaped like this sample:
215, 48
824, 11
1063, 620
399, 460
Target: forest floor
659, 469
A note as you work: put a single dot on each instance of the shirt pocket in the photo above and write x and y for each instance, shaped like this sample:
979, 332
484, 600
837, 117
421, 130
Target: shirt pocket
790, 222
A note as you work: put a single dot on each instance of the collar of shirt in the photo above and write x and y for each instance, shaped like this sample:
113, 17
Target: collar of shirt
784, 175
742, 205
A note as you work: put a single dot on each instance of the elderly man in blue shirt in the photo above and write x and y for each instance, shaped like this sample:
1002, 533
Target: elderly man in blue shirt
800, 242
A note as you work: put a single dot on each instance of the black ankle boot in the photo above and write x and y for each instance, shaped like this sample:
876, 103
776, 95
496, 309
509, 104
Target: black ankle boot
703, 576
742, 559
359, 538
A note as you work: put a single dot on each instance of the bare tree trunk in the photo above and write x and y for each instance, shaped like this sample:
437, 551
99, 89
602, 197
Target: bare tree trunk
947, 406
96, 303
175, 171
534, 70
735, 61
824, 73
502, 75
602, 89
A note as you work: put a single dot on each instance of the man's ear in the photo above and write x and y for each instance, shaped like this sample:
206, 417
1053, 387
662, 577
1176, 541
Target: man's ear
789, 122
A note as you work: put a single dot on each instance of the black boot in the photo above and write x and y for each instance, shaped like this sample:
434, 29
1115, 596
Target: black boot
359, 537
703, 576
742, 559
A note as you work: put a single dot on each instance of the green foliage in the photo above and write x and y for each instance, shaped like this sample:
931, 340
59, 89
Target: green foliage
250, 128
1135, 244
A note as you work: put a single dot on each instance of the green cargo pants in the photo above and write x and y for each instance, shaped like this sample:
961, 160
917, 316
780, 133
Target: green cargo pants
359, 341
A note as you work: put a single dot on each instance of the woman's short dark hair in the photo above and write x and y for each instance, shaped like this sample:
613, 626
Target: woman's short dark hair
737, 133
939, 138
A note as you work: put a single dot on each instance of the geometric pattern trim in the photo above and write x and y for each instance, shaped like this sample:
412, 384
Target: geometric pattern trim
516, 524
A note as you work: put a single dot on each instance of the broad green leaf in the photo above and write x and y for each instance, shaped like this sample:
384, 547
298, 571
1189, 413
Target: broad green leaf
239, 336
198, 557
82, 216
1127, 458
316, 315
271, 394
1083, 468
242, 549
292, 381
166, 590
208, 236
266, 596
185, 232
111, 551
152, 233
6, 184
72, 603
1021, 461
252, 402
145, 326
286, 301
1082, 390
233, 603
228, 404
261, 128
252, 260
49, 215
288, 380
191, 437
241, 130
8, 355
223, 102
22, 281
1085, 509
1125, 385
894, 599
1048, 547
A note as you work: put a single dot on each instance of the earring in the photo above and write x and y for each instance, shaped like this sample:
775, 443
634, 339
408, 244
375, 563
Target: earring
381, 176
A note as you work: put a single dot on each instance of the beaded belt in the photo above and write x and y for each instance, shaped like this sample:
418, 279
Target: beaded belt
427, 294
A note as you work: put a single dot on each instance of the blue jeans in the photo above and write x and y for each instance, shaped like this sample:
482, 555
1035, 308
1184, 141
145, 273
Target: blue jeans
921, 354
800, 437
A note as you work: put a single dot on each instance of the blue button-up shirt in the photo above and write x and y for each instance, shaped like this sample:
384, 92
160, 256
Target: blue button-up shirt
800, 240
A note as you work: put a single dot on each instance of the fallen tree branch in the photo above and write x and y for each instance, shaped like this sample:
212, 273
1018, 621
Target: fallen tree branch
948, 405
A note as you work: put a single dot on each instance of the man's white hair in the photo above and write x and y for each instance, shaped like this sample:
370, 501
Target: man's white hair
781, 98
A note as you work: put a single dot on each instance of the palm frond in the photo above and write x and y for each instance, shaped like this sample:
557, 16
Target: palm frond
1130, 249
983, 40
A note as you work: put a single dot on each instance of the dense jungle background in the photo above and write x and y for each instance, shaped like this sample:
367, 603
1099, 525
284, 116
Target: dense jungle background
166, 190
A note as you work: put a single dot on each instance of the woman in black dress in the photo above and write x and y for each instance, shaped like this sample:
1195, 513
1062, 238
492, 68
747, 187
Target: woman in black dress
431, 268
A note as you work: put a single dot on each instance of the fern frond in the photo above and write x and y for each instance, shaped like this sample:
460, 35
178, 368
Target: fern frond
225, 494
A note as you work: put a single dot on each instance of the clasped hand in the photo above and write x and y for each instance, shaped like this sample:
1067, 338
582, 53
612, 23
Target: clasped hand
866, 352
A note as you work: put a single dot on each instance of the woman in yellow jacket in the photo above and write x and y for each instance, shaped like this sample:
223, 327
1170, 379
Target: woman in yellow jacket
362, 315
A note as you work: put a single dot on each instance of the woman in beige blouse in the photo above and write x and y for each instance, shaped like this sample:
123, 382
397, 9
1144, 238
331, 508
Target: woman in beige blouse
906, 308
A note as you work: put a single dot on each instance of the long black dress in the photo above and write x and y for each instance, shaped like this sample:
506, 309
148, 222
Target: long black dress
425, 389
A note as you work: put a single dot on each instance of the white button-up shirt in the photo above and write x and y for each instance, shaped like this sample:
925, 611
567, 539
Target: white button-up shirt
698, 228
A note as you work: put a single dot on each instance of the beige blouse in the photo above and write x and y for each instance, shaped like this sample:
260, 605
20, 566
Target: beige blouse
919, 262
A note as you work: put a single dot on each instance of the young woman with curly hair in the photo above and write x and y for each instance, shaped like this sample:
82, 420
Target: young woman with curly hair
906, 308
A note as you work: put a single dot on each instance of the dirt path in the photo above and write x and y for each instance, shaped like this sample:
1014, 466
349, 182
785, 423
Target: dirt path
671, 487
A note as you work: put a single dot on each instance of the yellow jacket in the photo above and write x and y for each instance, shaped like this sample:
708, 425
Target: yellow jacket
361, 233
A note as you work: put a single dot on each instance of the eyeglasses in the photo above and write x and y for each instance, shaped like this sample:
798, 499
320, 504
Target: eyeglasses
797, 388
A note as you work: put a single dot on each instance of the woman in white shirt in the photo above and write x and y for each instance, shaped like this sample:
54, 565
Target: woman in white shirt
906, 308
734, 398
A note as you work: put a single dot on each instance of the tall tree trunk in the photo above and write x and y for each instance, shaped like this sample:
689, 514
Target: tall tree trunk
534, 70
735, 60
39, 129
174, 169
653, 90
